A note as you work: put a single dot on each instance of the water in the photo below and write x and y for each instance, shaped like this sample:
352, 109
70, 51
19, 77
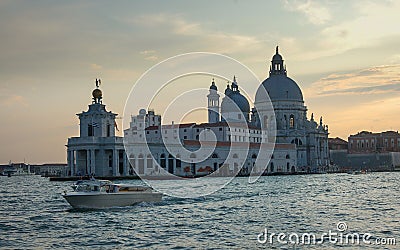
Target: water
33, 215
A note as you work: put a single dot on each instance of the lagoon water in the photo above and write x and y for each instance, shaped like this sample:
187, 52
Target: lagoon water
33, 214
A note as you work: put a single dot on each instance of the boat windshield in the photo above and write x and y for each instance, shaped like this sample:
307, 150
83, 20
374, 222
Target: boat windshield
87, 188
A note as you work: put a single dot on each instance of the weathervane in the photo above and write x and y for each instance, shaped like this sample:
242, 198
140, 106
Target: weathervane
98, 82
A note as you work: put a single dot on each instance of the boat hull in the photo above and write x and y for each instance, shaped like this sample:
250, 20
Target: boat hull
107, 200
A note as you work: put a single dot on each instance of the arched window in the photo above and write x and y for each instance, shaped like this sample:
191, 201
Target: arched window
287, 156
272, 167
170, 163
235, 156
291, 121
235, 167
285, 121
149, 161
192, 155
141, 164
132, 162
214, 155
254, 156
297, 142
163, 162
287, 167
178, 162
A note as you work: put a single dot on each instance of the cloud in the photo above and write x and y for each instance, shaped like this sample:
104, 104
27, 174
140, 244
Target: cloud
147, 52
375, 80
150, 55
13, 100
95, 66
315, 12
178, 32
373, 20
375, 115
175, 22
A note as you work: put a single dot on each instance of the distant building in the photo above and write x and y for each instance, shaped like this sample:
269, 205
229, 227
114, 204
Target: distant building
367, 150
51, 169
337, 144
368, 142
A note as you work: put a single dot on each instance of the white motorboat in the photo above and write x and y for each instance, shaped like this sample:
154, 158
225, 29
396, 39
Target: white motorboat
105, 194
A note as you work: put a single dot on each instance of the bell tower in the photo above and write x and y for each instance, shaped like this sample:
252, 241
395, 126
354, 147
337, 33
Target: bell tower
213, 104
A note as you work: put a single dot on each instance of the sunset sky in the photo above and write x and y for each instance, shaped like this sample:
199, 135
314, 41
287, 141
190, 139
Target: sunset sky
345, 56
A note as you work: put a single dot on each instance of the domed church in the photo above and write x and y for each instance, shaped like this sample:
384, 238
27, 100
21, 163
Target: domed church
292, 125
289, 114
301, 144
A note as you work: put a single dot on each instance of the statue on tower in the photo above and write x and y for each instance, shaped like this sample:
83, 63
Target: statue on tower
97, 94
98, 82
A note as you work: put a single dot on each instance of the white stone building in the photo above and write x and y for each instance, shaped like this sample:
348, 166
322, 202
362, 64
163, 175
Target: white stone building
97, 151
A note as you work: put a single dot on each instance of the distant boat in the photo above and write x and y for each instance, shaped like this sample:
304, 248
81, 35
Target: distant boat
9, 171
356, 172
16, 171
95, 194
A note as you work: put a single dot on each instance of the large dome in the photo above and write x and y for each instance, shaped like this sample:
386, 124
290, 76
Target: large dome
278, 86
281, 88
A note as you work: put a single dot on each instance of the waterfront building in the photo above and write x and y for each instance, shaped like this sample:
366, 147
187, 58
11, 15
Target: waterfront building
368, 142
337, 144
51, 169
368, 151
97, 150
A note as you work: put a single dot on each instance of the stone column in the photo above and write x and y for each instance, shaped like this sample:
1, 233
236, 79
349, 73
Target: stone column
174, 166
125, 163
72, 158
69, 160
115, 162
145, 172
87, 162
92, 162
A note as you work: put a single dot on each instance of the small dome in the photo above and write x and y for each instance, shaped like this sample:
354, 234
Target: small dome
241, 101
277, 57
97, 93
280, 88
213, 86
142, 111
228, 90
